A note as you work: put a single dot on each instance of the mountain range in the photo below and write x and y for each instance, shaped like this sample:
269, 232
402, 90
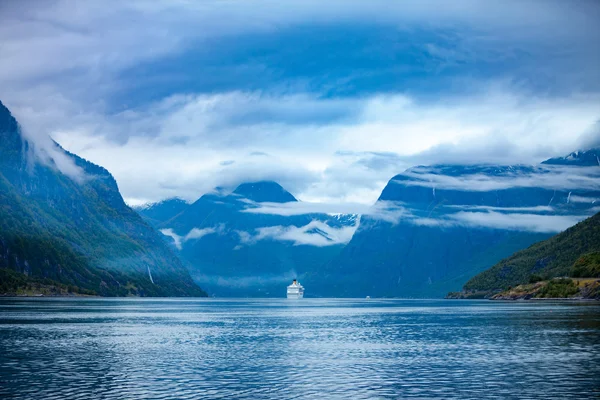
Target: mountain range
446, 223
431, 230
64, 227
250, 242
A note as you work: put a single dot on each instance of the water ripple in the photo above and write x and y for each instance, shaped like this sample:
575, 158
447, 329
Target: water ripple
264, 349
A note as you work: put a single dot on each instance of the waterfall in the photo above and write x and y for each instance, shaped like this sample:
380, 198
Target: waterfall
150, 274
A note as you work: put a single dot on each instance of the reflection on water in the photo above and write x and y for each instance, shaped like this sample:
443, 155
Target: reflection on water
178, 349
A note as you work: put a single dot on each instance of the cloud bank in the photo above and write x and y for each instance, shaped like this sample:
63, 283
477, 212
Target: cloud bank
501, 178
315, 233
517, 221
505, 218
330, 100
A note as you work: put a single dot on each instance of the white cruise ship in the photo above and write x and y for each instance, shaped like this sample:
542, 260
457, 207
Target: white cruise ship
295, 290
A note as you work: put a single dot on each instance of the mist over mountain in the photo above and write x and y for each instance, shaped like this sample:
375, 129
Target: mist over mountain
431, 230
64, 222
440, 225
234, 248
331, 177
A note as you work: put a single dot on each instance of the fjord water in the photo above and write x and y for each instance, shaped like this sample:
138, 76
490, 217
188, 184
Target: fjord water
285, 349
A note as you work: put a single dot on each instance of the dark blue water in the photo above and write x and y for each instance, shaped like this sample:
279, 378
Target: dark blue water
280, 349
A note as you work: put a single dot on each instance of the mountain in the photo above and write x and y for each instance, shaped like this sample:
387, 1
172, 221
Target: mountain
254, 240
156, 213
264, 191
433, 228
585, 158
572, 253
64, 225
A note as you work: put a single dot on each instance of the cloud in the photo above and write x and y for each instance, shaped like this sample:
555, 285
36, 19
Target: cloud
42, 149
315, 233
539, 209
184, 154
303, 208
505, 221
193, 234
583, 199
176, 238
591, 138
517, 221
388, 211
530, 219
196, 233
392, 212
500, 178
94, 38
340, 96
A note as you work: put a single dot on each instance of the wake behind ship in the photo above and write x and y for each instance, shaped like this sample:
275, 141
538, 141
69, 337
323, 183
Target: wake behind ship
295, 290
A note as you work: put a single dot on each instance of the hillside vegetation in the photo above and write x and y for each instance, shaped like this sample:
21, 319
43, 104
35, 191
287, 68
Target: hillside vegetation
573, 253
76, 233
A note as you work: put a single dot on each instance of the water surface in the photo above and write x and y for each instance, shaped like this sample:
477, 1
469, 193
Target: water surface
282, 349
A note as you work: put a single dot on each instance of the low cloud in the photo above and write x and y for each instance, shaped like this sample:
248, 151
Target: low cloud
583, 199
316, 233
193, 234
388, 211
495, 220
42, 149
500, 178
505, 218
518, 221
539, 209
196, 233
303, 208
393, 212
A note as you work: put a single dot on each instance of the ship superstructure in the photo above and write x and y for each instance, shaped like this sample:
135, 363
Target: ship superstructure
295, 290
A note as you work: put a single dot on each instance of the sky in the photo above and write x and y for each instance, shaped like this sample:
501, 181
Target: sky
330, 99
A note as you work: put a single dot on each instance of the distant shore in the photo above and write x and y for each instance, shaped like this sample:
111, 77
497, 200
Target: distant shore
47, 295
553, 289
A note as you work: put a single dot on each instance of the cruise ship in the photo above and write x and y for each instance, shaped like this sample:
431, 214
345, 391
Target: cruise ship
295, 290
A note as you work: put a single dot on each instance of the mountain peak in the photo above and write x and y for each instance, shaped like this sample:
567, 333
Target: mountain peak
155, 213
11, 143
3, 108
166, 202
6, 118
581, 158
264, 191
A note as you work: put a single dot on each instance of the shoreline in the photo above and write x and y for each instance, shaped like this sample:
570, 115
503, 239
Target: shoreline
507, 299
560, 288
541, 299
